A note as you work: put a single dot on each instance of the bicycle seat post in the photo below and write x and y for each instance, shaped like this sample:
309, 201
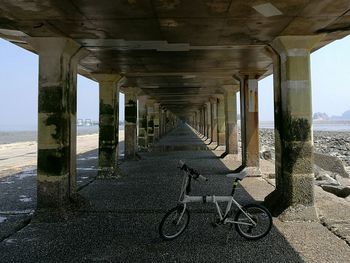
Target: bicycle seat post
234, 186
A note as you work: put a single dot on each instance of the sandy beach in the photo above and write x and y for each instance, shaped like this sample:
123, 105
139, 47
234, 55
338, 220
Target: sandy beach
15, 157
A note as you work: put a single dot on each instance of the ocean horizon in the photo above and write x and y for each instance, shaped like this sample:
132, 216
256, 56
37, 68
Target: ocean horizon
12, 134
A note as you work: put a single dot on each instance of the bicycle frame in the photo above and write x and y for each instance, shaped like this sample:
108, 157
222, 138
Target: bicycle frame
184, 199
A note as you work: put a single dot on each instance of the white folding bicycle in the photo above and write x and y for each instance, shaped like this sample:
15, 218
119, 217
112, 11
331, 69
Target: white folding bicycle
251, 221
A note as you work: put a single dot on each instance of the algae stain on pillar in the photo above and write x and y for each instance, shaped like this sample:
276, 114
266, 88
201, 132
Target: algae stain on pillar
130, 128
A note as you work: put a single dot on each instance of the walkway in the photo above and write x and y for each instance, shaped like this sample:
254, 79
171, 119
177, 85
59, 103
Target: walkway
119, 220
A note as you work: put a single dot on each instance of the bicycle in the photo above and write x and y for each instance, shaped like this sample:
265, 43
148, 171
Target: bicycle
252, 221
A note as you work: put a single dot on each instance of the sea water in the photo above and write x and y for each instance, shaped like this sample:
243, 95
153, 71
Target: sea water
317, 126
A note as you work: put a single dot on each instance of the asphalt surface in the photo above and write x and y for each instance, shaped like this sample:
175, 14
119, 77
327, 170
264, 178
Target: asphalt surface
119, 219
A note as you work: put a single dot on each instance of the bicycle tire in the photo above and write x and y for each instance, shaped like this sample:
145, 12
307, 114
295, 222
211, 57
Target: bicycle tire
262, 218
183, 223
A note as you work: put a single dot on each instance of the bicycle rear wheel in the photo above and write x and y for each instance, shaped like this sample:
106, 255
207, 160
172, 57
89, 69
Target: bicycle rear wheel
174, 223
261, 217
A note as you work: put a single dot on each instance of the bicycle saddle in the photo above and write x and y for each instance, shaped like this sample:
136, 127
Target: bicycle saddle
238, 176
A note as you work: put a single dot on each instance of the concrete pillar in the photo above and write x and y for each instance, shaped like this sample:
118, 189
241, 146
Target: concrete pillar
203, 121
294, 192
250, 122
231, 139
198, 115
56, 179
214, 120
161, 120
150, 123
156, 107
164, 121
142, 123
221, 121
208, 120
108, 124
130, 122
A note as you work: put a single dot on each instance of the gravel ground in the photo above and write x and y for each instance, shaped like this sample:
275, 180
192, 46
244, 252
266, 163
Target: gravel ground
120, 221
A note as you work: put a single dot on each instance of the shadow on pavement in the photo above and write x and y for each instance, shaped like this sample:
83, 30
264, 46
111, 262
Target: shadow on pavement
121, 222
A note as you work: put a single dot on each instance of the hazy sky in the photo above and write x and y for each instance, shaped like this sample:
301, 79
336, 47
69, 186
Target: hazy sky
330, 67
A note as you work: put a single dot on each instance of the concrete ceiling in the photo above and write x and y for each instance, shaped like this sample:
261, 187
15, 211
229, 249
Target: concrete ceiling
180, 52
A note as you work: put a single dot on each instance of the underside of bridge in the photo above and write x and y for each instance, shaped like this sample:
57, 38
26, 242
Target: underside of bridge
175, 60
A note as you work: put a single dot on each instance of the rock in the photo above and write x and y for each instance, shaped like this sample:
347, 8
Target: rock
324, 178
340, 191
330, 163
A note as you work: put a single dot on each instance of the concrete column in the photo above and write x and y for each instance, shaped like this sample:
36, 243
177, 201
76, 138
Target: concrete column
221, 121
108, 124
231, 139
294, 192
164, 121
56, 164
142, 123
150, 123
250, 122
206, 116
130, 122
202, 121
161, 113
156, 107
198, 115
208, 120
214, 120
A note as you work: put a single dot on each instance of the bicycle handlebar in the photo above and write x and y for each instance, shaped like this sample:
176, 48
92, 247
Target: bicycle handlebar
192, 172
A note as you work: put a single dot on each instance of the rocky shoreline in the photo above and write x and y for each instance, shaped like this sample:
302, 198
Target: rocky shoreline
331, 143
332, 151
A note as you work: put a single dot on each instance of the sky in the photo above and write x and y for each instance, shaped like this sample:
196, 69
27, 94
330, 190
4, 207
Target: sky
330, 75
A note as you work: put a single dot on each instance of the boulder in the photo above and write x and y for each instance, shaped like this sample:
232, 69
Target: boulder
340, 191
323, 177
330, 163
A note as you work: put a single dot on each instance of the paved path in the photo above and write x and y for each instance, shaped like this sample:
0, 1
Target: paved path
119, 221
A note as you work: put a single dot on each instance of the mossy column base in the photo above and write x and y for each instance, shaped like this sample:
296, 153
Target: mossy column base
221, 121
250, 119
231, 139
214, 120
294, 194
56, 164
130, 123
108, 125
156, 107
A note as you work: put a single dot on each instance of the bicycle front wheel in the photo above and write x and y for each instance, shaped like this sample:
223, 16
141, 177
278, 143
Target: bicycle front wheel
259, 215
174, 223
